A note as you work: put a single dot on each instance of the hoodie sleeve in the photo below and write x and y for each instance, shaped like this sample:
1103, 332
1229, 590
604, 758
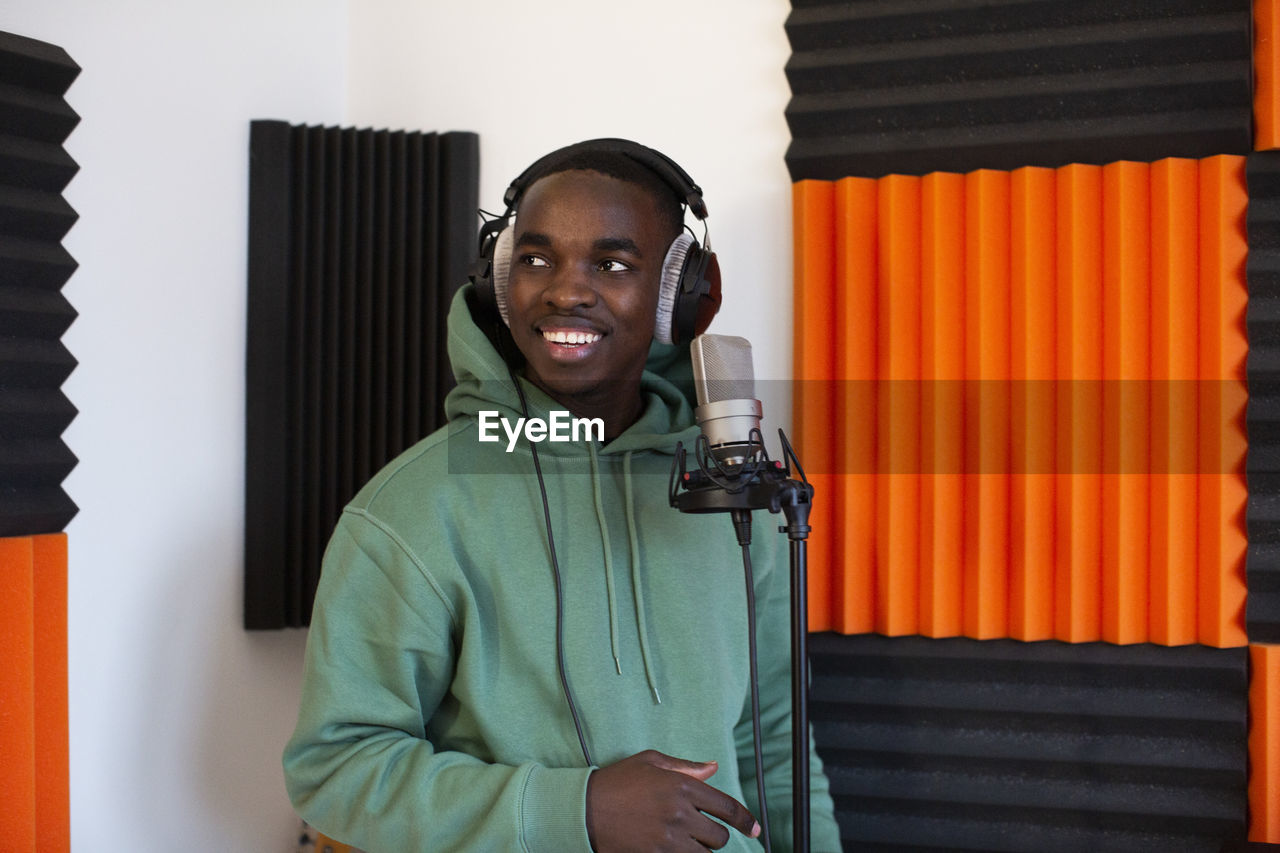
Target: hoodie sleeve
773, 642
359, 766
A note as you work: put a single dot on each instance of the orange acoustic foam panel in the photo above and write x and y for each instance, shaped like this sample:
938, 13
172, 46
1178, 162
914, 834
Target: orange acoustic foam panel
1022, 397
815, 359
325, 844
1264, 743
34, 786
1266, 73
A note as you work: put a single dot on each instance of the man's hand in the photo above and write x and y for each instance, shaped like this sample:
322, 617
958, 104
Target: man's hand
653, 802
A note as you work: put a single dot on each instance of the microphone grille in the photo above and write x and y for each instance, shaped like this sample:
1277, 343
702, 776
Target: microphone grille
722, 368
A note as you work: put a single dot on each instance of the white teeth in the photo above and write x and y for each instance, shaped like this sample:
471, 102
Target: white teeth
563, 337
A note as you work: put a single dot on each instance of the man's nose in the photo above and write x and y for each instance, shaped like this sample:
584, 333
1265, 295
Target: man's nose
571, 287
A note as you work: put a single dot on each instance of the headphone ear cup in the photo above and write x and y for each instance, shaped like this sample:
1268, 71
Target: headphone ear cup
673, 266
502, 271
700, 296
689, 294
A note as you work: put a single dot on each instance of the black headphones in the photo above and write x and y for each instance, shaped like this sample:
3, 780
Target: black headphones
690, 283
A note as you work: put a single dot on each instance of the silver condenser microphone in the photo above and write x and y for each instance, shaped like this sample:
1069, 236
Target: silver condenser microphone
728, 412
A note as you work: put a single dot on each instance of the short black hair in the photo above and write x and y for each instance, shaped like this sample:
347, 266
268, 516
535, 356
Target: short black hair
615, 164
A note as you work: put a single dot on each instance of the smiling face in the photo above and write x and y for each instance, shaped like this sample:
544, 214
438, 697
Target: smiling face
583, 290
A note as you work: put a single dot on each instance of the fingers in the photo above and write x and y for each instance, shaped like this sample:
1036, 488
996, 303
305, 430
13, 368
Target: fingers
709, 834
700, 770
657, 801
708, 799
724, 807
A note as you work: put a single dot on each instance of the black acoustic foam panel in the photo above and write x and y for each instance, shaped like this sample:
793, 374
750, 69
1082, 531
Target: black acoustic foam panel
959, 744
1262, 560
916, 86
35, 121
358, 240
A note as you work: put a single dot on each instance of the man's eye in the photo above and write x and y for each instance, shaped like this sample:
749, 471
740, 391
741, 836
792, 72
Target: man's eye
533, 261
612, 265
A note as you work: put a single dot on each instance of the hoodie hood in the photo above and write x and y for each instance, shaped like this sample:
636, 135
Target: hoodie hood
484, 384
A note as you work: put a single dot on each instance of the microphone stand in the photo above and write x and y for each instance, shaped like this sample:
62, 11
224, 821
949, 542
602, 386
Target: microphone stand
759, 482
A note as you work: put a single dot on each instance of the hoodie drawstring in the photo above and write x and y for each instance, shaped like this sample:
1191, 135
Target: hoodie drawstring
608, 557
637, 590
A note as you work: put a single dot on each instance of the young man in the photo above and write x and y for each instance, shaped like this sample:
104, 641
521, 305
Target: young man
467, 653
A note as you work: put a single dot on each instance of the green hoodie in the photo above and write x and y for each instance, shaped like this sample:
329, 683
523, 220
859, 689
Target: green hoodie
432, 715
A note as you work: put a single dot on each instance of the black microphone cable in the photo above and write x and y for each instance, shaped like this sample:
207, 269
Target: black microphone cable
742, 527
555, 572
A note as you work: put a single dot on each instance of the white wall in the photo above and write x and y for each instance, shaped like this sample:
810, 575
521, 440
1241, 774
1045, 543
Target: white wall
700, 80
177, 714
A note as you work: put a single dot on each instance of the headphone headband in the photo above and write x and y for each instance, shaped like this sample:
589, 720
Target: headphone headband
657, 162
